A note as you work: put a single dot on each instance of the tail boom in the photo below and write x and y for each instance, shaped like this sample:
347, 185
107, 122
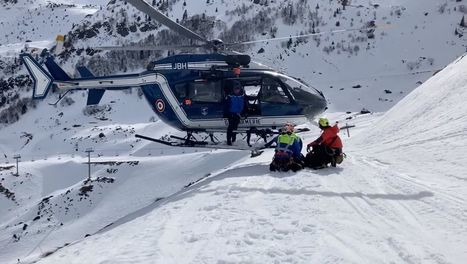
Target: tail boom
44, 80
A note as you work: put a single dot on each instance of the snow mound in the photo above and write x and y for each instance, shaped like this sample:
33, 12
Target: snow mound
430, 123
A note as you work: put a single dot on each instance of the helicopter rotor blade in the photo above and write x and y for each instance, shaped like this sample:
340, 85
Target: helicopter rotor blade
149, 48
158, 16
301, 36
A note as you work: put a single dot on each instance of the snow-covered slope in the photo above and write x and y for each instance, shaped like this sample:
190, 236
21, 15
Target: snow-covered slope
434, 115
381, 206
51, 203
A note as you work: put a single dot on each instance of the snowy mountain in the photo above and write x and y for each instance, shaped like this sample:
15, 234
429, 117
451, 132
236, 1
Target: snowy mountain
40, 21
399, 197
32, 24
375, 70
354, 69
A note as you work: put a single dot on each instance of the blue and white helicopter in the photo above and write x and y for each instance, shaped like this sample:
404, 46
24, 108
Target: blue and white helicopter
188, 91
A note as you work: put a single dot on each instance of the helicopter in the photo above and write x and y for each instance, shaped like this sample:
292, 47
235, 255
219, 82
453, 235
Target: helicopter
187, 91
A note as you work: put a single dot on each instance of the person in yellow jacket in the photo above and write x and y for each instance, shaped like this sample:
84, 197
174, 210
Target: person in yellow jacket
287, 155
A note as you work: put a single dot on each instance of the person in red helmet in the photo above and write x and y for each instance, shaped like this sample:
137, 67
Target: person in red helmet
287, 155
327, 148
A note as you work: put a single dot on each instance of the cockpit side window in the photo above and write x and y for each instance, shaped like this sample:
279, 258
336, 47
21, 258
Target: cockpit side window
205, 91
272, 92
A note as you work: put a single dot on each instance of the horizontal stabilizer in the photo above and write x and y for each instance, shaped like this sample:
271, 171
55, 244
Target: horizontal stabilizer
58, 73
42, 80
84, 72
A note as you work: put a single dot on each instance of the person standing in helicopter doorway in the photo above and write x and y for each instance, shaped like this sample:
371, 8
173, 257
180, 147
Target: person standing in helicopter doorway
236, 108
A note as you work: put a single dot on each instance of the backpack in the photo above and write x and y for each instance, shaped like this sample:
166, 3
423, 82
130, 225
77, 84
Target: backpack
283, 161
340, 158
337, 155
282, 156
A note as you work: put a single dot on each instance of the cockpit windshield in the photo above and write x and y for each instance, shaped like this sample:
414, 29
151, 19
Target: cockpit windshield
312, 100
301, 92
299, 89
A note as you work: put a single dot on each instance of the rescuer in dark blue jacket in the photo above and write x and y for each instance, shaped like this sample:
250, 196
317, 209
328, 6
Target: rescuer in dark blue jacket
236, 107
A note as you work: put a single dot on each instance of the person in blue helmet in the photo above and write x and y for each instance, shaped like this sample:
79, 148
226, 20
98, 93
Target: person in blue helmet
236, 108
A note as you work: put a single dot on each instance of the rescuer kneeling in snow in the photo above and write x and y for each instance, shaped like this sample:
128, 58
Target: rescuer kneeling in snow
325, 149
287, 155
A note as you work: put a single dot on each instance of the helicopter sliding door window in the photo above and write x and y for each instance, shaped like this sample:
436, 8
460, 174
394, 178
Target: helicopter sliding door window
205, 99
181, 91
252, 87
272, 92
205, 91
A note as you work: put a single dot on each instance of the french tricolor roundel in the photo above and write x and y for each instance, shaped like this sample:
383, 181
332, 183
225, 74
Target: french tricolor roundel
160, 105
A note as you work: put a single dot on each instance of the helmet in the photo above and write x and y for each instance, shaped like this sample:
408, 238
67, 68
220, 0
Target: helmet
323, 122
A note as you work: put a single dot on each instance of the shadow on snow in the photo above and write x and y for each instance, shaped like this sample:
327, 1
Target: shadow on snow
261, 169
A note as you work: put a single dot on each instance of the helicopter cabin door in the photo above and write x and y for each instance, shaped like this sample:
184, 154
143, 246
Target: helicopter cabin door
275, 99
201, 99
251, 86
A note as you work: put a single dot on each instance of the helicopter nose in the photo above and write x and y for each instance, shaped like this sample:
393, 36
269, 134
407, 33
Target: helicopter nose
316, 104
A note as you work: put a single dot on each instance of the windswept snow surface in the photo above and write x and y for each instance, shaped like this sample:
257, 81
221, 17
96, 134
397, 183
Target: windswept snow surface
399, 197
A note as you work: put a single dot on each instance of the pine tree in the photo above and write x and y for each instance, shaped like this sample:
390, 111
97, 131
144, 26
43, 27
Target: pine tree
344, 3
463, 24
289, 43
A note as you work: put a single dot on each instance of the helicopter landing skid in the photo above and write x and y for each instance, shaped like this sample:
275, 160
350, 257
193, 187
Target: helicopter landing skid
189, 140
184, 142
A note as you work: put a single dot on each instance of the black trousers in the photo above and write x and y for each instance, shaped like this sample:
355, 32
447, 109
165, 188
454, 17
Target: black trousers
321, 155
234, 120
